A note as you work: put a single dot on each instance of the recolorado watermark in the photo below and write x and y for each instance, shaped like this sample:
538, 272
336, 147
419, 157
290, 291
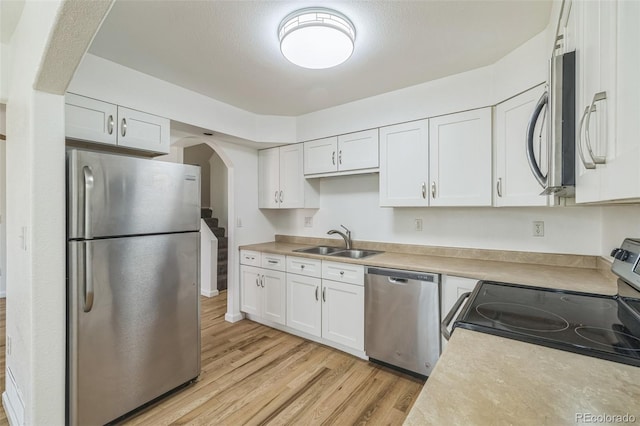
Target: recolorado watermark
605, 418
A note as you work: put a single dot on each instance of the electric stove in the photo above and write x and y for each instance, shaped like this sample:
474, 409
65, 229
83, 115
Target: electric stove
606, 327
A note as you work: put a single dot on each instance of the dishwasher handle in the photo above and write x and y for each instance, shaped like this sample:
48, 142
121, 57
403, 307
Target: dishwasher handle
398, 276
447, 320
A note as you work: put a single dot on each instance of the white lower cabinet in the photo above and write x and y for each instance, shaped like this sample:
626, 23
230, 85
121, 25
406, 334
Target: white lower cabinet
263, 293
330, 310
343, 313
304, 308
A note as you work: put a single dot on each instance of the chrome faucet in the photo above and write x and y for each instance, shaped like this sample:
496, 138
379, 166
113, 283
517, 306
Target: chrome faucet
345, 235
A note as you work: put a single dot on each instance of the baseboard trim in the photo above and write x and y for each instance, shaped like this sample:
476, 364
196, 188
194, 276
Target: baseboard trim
8, 410
233, 317
211, 293
3, 294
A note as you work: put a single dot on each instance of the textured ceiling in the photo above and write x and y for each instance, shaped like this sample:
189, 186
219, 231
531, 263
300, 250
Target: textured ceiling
229, 50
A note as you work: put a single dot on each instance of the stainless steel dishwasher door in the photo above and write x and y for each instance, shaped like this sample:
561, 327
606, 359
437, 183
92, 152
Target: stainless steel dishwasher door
402, 316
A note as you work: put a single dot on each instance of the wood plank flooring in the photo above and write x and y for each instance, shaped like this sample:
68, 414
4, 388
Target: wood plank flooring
255, 375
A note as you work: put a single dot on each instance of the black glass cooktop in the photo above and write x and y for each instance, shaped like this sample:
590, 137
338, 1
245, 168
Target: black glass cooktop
605, 327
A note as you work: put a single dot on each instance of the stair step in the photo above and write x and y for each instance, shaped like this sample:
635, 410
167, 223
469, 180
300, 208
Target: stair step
218, 232
206, 213
223, 242
211, 222
223, 254
222, 282
222, 269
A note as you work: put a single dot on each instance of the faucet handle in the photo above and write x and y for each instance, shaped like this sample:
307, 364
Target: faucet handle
346, 229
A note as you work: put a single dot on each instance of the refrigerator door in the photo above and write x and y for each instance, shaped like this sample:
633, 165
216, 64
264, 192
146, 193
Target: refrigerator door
138, 335
115, 195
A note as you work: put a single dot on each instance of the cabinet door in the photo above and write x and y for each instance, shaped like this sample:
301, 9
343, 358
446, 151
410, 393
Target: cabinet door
250, 301
269, 178
596, 59
514, 183
321, 156
460, 159
304, 310
274, 296
88, 119
343, 314
358, 150
623, 153
292, 181
144, 131
404, 164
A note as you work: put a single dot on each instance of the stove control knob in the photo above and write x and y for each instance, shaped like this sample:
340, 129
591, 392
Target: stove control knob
614, 252
620, 254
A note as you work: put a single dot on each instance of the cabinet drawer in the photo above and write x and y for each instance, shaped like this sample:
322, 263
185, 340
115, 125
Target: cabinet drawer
273, 261
248, 257
343, 272
304, 266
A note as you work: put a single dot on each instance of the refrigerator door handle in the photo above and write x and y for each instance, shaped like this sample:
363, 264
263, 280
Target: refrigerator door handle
88, 189
88, 277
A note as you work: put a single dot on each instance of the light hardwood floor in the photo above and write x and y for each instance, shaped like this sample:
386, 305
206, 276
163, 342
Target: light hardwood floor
252, 374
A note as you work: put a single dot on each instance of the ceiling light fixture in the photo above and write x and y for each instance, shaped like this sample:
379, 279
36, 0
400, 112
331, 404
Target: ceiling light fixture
316, 38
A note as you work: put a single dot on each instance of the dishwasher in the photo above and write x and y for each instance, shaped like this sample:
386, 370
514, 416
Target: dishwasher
402, 317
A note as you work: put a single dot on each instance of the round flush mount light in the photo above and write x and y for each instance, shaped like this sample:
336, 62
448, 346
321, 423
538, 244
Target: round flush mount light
316, 38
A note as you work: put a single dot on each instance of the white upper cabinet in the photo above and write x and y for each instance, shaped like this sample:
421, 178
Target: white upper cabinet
358, 151
404, 164
140, 130
95, 121
514, 184
460, 159
345, 153
88, 119
320, 156
281, 182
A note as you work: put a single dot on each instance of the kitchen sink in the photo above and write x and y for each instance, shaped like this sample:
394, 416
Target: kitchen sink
355, 254
338, 252
324, 250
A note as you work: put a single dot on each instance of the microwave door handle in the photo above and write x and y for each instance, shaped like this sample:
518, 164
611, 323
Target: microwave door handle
531, 128
597, 159
587, 164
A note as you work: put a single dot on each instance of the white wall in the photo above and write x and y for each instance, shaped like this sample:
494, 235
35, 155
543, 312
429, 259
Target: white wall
105, 80
353, 201
218, 187
619, 222
4, 73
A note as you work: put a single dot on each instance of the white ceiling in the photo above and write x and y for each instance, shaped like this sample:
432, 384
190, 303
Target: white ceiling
229, 50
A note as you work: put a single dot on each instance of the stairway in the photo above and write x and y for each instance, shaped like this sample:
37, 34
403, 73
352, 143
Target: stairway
223, 249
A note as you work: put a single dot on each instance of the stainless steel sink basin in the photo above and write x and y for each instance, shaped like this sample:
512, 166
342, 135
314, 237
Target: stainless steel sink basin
355, 254
324, 250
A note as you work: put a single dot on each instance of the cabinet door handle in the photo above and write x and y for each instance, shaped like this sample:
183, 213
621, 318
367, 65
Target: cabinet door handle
273, 262
499, 187
110, 124
281, 197
316, 293
275, 197
340, 157
433, 189
262, 282
341, 273
124, 127
424, 190
587, 164
333, 158
257, 280
597, 159
324, 294
301, 266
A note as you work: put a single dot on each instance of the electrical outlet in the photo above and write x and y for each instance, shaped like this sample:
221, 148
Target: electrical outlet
308, 222
538, 228
417, 224
238, 222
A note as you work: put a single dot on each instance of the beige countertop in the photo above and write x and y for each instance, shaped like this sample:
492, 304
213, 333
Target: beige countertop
588, 280
483, 379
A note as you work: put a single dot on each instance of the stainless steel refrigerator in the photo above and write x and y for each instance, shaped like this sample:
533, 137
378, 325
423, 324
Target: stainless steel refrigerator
133, 248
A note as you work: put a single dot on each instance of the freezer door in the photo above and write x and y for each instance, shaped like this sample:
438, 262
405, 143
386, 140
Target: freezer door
111, 195
133, 322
